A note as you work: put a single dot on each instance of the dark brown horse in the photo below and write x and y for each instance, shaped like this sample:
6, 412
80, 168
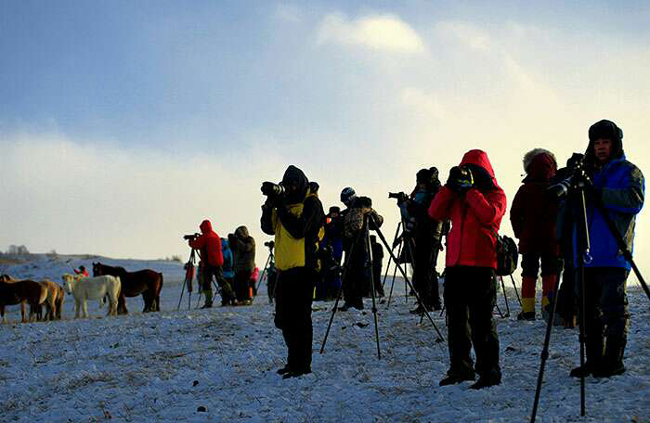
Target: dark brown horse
23, 293
145, 282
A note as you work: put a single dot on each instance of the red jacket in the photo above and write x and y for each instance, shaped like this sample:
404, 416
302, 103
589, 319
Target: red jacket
209, 244
475, 217
533, 213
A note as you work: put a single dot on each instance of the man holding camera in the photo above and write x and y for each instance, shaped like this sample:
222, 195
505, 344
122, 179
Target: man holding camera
475, 204
295, 217
618, 190
357, 253
209, 246
426, 234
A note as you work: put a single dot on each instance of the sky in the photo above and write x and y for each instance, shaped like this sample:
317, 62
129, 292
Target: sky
124, 124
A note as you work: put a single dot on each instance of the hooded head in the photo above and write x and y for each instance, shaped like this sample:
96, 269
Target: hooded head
540, 165
242, 232
348, 195
478, 162
296, 185
605, 130
206, 226
224, 244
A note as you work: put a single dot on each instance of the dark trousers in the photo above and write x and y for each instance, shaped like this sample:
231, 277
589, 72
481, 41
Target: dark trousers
606, 305
425, 280
242, 285
530, 264
356, 276
470, 297
217, 272
293, 297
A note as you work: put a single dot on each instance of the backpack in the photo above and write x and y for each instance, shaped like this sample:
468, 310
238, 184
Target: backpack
507, 255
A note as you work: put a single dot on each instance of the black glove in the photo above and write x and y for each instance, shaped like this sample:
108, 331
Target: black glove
460, 179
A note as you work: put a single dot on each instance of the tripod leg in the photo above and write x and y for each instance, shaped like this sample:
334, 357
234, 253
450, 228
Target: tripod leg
383, 240
547, 340
515, 287
392, 285
372, 287
181, 297
390, 259
338, 296
505, 296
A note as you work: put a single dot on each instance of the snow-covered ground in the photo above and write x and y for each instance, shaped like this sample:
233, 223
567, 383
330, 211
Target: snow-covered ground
165, 366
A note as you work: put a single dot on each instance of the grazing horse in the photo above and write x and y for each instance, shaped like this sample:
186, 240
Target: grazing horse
21, 292
92, 289
145, 282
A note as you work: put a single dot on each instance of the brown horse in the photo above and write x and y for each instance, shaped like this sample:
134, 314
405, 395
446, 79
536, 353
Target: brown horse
55, 295
21, 292
145, 282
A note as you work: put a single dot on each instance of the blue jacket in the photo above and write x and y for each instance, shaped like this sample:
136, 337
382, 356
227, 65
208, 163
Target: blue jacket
228, 271
622, 188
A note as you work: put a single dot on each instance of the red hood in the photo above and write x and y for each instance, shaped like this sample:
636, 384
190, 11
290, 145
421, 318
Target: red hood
206, 226
479, 158
542, 168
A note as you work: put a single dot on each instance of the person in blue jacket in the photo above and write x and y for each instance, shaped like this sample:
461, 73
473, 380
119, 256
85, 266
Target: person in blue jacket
619, 187
228, 296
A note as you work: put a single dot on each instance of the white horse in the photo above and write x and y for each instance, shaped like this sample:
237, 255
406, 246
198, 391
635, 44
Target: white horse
93, 289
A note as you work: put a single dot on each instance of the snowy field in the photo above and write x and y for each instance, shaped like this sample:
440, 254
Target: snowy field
166, 366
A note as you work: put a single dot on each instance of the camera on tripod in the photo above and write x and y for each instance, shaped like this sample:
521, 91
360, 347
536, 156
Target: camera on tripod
270, 244
191, 237
273, 190
401, 197
571, 176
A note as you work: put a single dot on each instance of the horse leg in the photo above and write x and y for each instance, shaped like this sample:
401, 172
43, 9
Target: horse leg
77, 308
148, 301
121, 304
84, 303
2, 311
23, 311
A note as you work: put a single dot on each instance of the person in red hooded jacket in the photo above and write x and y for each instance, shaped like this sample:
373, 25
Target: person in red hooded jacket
475, 204
533, 216
209, 246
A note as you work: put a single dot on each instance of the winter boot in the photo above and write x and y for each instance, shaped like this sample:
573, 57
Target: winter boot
548, 283
491, 378
454, 378
528, 299
594, 344
612, 364
208, 299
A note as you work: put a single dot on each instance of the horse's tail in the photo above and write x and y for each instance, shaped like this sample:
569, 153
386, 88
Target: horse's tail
44, 294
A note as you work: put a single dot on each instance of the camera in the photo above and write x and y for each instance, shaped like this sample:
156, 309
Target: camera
273, 190
569, 176
399, 196
270, 244
191, 237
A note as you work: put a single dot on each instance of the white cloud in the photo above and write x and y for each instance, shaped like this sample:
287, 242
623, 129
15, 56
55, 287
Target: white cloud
469, 35
378, 32
424, 104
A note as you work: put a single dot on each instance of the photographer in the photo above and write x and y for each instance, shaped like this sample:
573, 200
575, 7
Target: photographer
475, 204
533, 216
228, 272
332, 245
426, 234
618, 186
209, 246
295, 218
243, 249
357, 255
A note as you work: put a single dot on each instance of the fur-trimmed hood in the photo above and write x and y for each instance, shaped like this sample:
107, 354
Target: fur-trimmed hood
540, 165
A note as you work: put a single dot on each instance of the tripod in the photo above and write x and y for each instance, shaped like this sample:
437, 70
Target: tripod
365, 232
578, 185
189, 276
268, 268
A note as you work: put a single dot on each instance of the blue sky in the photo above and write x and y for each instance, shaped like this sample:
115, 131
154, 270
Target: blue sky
134, 120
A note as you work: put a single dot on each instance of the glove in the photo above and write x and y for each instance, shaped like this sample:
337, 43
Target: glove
460, 179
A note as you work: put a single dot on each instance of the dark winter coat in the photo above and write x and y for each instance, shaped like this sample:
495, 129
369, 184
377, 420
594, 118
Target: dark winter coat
243, 249
208, 244
296, 224
228, 260
534, 210
475, 216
